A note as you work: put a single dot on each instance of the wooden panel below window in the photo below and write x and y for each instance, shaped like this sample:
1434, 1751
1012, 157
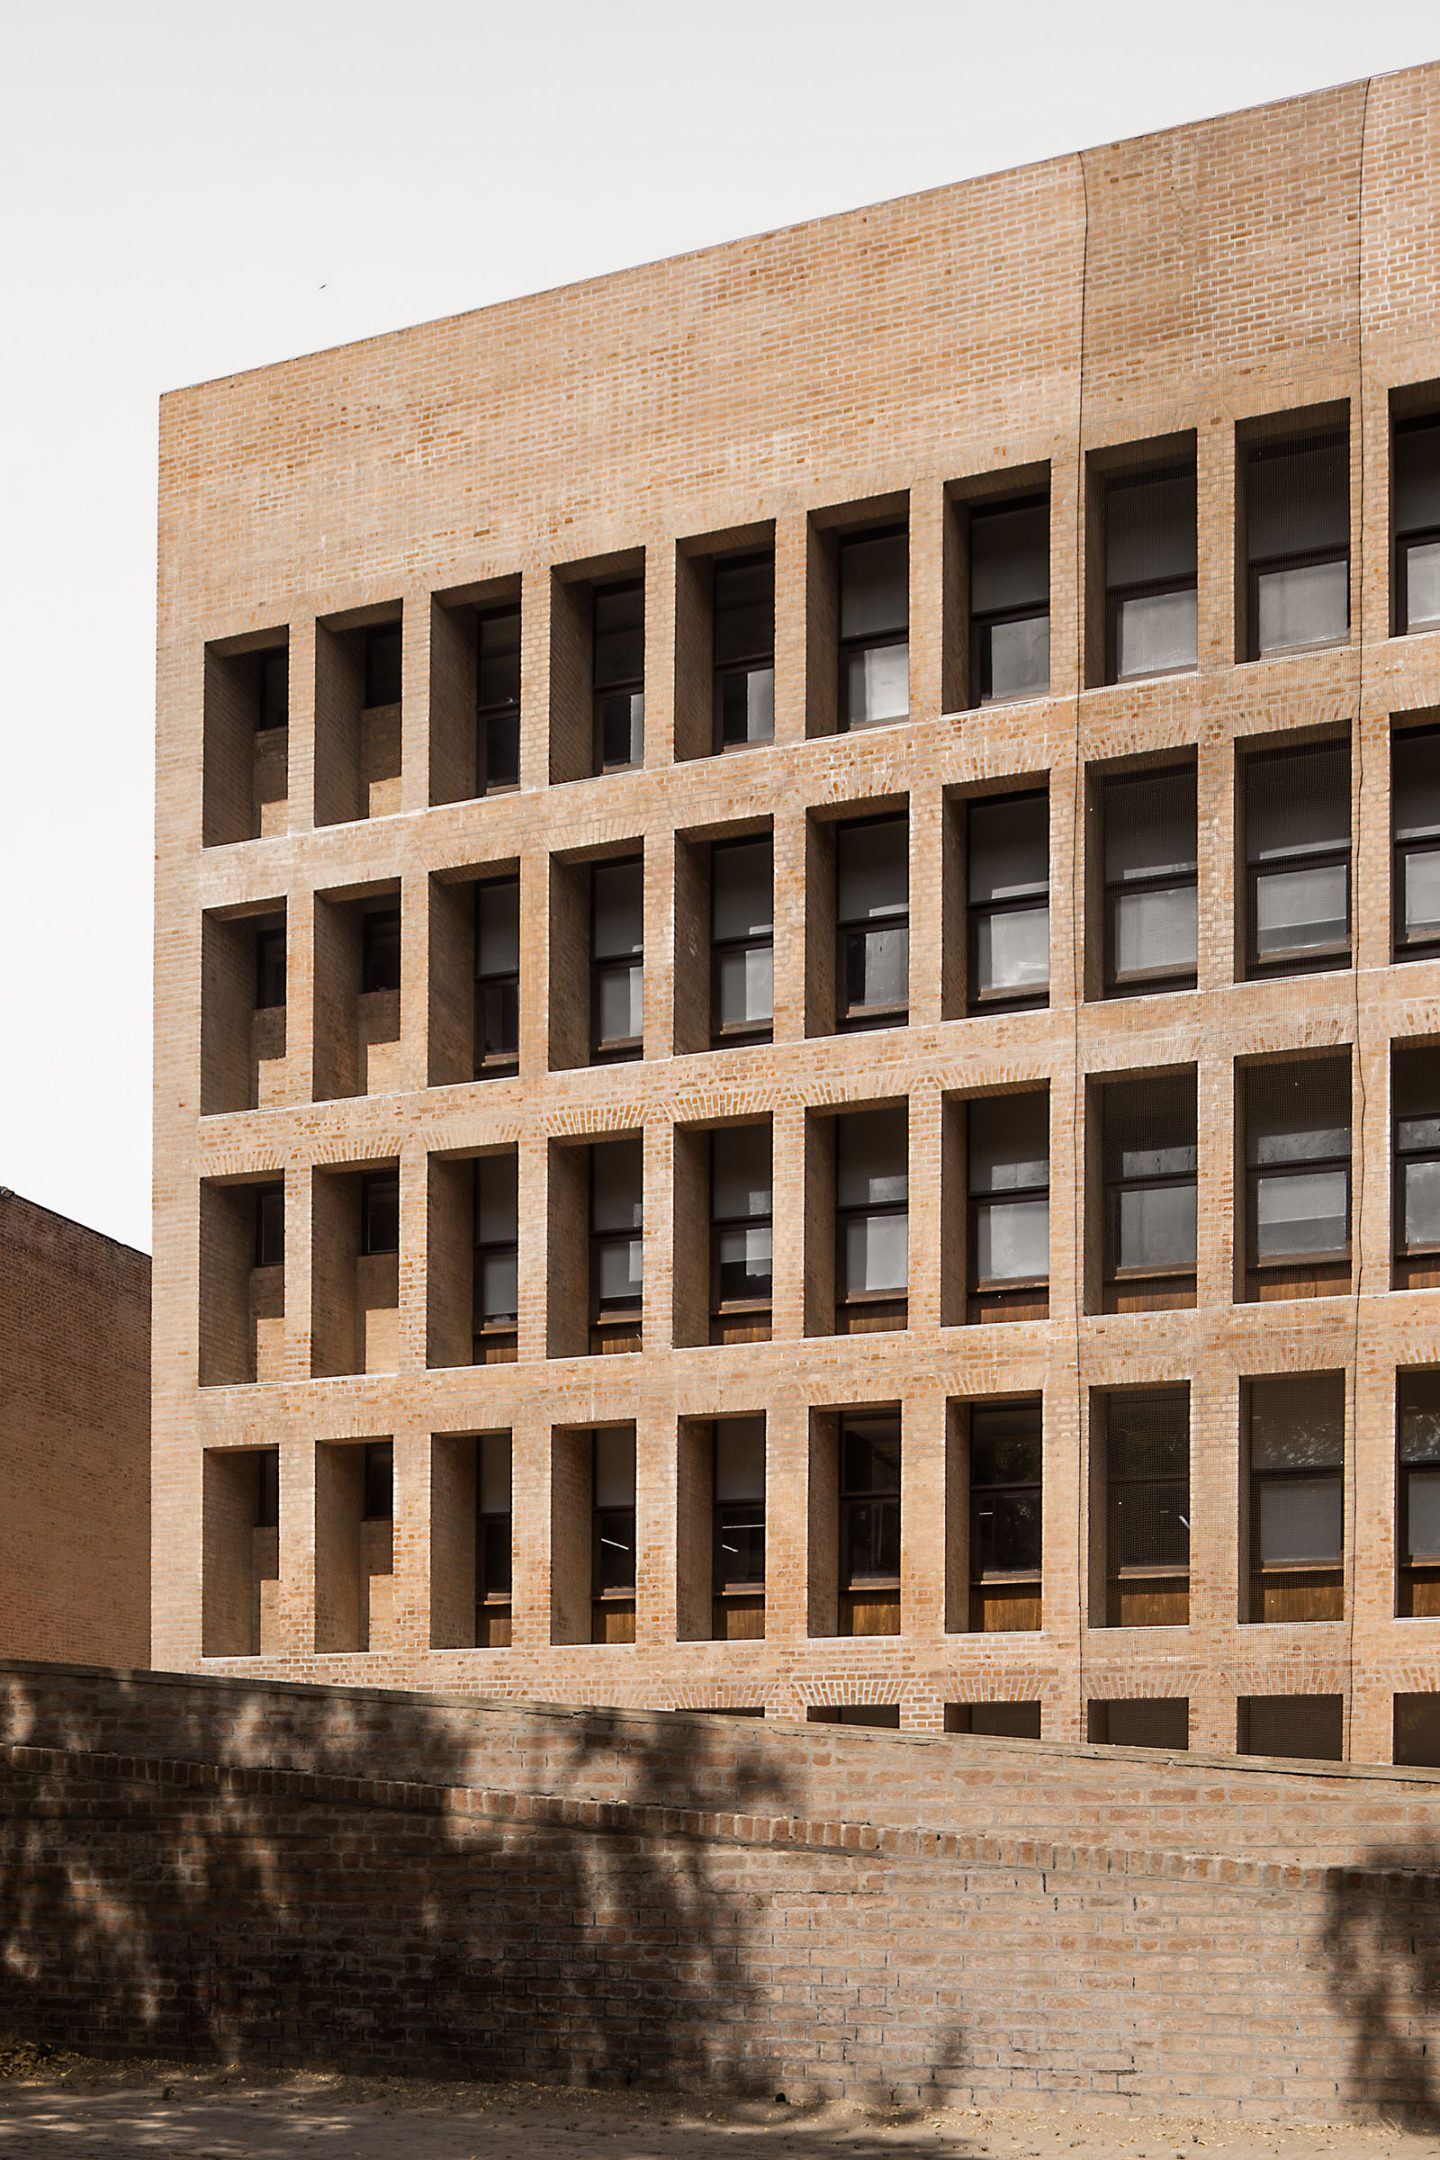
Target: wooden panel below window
873, 1317
1325, 1279
870, 1612
607, 1337
1420, 1591
739, 1327
983, 1307
1153, 1293
739, 1618
1418, 1274
1298, 1594
1148, 1601
492, 1626
999, 1608
612, 1620
494, 1349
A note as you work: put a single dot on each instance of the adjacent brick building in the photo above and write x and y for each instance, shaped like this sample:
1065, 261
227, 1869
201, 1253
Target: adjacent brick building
74, 1441
798, 1055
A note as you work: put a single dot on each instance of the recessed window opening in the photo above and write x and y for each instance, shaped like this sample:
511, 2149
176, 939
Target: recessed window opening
497, 977
497, 700
1297, 522
618, 660
1150, 573
874, 570
1010, 599
1151, 880
872, 909
1007, 849
744, 646
742, 940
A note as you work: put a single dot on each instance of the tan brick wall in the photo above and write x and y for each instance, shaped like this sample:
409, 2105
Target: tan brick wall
74, 1440
881, 361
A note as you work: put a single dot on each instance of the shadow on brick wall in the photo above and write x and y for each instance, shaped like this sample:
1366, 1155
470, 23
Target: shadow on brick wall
1382, 1945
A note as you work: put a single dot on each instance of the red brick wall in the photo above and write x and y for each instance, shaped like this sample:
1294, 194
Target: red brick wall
341, 1876
74, 1440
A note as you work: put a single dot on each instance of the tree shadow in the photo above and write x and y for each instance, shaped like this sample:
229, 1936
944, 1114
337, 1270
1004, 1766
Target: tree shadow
1382, 1946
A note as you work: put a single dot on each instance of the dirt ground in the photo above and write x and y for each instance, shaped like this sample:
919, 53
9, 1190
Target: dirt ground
66, 2108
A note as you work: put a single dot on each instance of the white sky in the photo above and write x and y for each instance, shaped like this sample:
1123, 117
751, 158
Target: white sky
189, 188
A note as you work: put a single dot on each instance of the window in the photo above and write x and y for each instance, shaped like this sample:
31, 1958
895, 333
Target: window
1415, 1100
1005, 1529
874, 627
1009, 599
1297, 851
744, 645
617, 1244
1308, 1727
497, 977
269, 966
617, 945
497, 1262
618, 674
497, 700
1415, 810
494, 1541
872, 914
1147, 1507
1007, 848
612, 1564
742, 940
1417, 525
1297, 544
739, 1508
870, 1523
872, 1218
1007, 1148
273, 702
1296, 1430
1418, 1492
1148, 842
1416, 1731
380, 949
379, 1213
378, 1481
1297, 1125
740, 1233
1149, 1153
382, 665
1153, 1721
267, 1488
1150, 567
995, 1720
270, 1225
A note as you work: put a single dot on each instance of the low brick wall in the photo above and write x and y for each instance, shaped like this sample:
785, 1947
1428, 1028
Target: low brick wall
343, 1877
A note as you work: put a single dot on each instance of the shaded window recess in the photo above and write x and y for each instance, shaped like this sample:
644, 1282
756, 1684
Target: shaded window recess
1417, 1417
1150, 572
1148, 1721
1416, 484
1415, 1099
874, 655
496, 1278
379, 1213
1007, 1150
497, 977
1007, 856
1308, 1727
1297, 1154
874, 1717
617, 1244
380, 949
872, 1220
738, 1528
246, 751
1145, 1435
1150, 867
742, 941
1005, 1521
1297, 544
1297, 859
872, 922
497, 700
1416, 1725
741, 1205
1415, 818
241, 1578
618, 674
358, 736
1295, 1448
994, 1720
743, 631
1150, 1156
612, 1534
269, 1203
378, 1481
870, 1524
269, 966
617, 959
494, 1541
1009, 552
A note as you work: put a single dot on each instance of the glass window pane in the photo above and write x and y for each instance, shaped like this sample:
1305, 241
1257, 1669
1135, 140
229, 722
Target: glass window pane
877, 684
615, 1466
1300, 1213
745, 987
1422, 585
1150, 1525
1150, 825
1415, 784
740, 1458
1156, 933
499, 1019
1155, 632
1297, 498
742, 901
1308, 605
876, 1254
382, 665
1149, 1127
1009, 557
1012, 952
744, 608
1008, 844
620, 1272
1007, 1533
740, 1172
499, 1285
747, 706
1297, 1422
1421, 1203
617, 1169
1297, 802
1008, 1142
1299, 1111
870, 1455
619, 633
1417, 477
1150, 529
496, 1203
1005, 1445
1419, 1416
1156, 1227
1012, 1240
872, 869
622, 727
1297, 911
1147, 1433
618, 909
743, 1254
1421, 882
501, 751
872, 1150
1015, 658
1301, 1519
620, 1003
874, 585
497, 657
1422, 1515
492, 1451
877, 967
497, 927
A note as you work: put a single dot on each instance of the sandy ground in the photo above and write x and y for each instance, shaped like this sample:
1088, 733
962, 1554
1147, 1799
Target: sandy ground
62, 2106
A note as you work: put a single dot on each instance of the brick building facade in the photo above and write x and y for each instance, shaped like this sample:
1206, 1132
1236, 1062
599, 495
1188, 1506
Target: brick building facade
798, 1059
74, 1440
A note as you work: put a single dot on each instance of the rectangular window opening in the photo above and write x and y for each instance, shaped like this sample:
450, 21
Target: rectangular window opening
1007, 851
1007, 1148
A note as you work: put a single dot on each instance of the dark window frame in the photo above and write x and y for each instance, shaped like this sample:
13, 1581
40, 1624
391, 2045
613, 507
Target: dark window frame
721, 1307
867, 641
1408, 1468
1018, 1288
631, 686
272, 707
733, 1037
494, 1529
1144, 588
985, 621
375, 1186
604, 1521
722, 1582
1406, 537
1405, 947
616, 1050
1318, 959
979, 912
504, 1327
983, 1577
1256, 566
377, 1481
1143, 982
496, 992
496, 713
846, 1299
1118, 1487
1301, 1166
613, 1314
1403, 1156
1115, 1185
851, 930
883, 1502
753, 662
1259, 1480
381, 672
